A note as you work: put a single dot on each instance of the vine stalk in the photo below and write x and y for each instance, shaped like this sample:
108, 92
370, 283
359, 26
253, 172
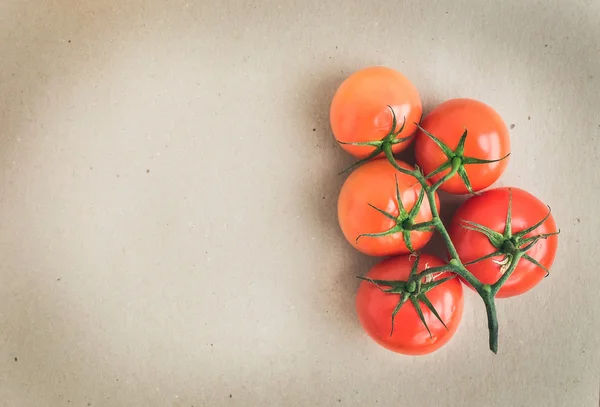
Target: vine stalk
454, 166
512, 246
486, 292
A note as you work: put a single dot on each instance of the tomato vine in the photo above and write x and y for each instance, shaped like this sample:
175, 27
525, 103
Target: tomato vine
512, 246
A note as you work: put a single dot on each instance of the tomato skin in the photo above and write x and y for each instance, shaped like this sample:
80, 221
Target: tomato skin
359, 109
489, 209
374, 183
487, 138
410, 337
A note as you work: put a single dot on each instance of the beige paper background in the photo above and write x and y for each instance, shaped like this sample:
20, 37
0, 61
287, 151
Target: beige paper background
168, 189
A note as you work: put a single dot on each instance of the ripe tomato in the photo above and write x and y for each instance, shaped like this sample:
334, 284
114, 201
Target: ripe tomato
487, 139
490, 209
375, 184
410, 336
359, 110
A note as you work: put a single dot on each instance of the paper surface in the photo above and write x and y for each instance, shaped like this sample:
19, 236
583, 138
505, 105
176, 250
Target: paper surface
168, 197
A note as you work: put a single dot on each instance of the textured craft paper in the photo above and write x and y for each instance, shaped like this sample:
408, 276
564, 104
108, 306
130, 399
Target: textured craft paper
168, 201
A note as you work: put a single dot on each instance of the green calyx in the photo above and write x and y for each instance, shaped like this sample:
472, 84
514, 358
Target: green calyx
380, 146
456, 160
404, 222
413, 290
411, 286
512, 246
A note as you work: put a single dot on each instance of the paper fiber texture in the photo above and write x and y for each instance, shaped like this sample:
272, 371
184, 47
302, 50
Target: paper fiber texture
168, 201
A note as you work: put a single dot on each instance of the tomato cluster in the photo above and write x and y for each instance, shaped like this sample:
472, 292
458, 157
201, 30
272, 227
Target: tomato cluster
501, 242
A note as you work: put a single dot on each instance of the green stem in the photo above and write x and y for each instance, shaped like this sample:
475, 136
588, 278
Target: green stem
513, 265
389, 153
453, 170
490, 309
486, 292
422, 225
439, 225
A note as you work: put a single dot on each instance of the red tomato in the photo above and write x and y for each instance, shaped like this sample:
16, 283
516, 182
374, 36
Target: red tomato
359, 110
489, 209
375, 184
487, 139
410, 336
